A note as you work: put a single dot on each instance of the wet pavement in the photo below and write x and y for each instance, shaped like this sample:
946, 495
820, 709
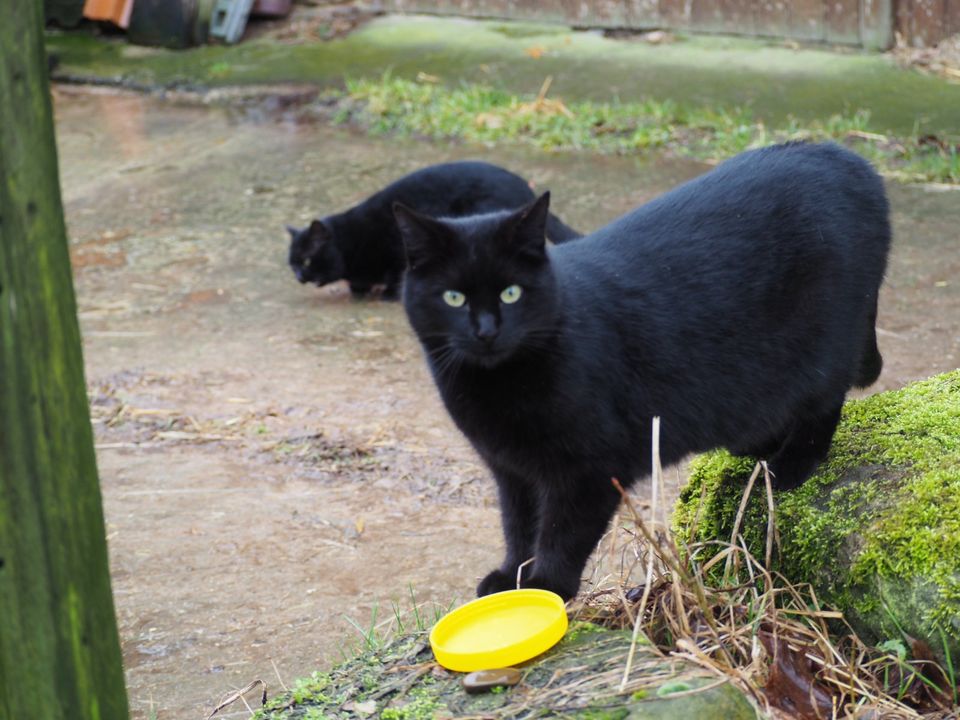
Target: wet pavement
273, 457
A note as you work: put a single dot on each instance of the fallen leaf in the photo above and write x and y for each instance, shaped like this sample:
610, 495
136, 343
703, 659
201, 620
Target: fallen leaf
489, 120
658, 37
791, 685
937, 692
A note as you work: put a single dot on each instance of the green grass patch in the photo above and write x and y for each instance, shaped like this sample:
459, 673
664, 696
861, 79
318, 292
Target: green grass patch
480, 113
380, 629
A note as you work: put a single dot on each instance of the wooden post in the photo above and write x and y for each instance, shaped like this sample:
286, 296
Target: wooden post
59, 648
877, 20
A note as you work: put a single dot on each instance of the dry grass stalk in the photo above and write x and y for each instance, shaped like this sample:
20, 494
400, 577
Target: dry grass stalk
239, 695
542, 105
772, 533
656, 474
276, 672
731, 559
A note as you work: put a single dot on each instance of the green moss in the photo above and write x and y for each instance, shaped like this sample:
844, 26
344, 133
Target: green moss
310, 689
603, 714
527, 30
422, 705
670, 688
876, 530
579, 628
577, 678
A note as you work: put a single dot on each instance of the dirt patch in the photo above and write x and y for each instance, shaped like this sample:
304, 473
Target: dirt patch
275, 459
97, 258
100, 251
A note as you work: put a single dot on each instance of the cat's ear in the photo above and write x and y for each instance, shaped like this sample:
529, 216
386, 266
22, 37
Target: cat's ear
293, 231
317, 234
530, 231
424, 238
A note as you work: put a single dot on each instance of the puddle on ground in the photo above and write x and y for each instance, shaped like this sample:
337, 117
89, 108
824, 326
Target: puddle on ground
274, 458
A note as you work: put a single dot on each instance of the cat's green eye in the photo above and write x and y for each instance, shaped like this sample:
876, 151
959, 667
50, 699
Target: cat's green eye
511, 294
454, 298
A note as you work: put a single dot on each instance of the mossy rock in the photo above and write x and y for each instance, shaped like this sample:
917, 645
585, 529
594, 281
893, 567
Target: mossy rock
579, 678
876, 531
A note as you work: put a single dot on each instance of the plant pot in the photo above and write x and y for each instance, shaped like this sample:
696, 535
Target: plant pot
163, 23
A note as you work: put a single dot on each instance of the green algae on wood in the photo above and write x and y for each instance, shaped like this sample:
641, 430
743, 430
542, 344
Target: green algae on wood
59, 648
876, 531
580, 677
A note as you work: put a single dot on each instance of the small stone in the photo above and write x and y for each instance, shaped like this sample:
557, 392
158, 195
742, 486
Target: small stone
367, 707
484, 680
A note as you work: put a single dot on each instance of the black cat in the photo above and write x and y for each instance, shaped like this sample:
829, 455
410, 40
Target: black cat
363, 245
739, 307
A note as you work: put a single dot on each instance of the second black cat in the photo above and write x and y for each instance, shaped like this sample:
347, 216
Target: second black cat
739, 307
362, 244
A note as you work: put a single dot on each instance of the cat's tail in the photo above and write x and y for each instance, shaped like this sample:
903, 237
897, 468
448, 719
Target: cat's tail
558, 232
871, 362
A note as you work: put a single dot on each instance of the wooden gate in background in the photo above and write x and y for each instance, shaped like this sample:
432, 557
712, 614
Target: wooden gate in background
927, 22
866, 23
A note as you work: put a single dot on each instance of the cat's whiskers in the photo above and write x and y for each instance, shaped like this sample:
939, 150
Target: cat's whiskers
446, 358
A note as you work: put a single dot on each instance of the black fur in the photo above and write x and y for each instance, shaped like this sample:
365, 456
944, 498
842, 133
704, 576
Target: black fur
363, 245
739, 308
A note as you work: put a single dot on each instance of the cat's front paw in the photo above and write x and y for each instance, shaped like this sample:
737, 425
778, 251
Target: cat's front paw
496, 581
565, 588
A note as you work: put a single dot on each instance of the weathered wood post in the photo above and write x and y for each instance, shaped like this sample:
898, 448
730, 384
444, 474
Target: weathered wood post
59, 649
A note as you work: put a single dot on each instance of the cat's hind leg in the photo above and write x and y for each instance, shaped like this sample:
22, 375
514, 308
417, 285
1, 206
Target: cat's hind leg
519, 514
359, 289
871, 362
804, 448
761, 450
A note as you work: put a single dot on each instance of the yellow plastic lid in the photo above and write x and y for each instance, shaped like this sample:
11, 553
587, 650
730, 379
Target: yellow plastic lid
499, 630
